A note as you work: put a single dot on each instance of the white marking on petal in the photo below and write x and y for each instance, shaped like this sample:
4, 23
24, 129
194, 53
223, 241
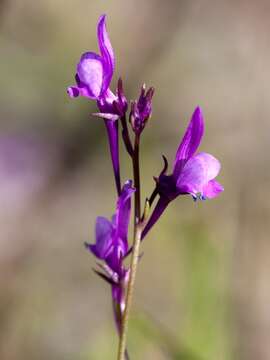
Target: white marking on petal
91, 74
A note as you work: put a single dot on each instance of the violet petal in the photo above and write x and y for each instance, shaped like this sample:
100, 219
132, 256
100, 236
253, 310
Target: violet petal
73, 91
197, 172
90, 72
103, 243
107, 53
190, 141
212, 189
123, 209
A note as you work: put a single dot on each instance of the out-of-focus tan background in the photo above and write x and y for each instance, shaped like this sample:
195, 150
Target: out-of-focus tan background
203, 289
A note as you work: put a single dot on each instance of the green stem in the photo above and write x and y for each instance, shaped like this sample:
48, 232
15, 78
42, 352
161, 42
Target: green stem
136, 174
138, 227
130, 290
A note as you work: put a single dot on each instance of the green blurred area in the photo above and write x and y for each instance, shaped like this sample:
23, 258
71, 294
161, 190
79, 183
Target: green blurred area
202, 290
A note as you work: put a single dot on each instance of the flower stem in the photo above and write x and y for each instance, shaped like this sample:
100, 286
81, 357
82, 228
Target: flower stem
136, 174
112, 131
130, 290
138, 227
125, 135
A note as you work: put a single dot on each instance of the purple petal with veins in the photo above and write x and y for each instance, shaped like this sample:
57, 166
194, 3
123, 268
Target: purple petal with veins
196, 173
102, 247
90, 72
123, 209
106, 51
190, 141
104, 42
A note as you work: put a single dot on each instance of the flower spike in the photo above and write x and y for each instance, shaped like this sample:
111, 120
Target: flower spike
193, 174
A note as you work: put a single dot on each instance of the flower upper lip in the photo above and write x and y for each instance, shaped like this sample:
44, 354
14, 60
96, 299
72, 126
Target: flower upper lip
94, 71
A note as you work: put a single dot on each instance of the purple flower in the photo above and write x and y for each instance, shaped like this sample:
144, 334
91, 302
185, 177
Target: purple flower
94, 75
193, 174
112, 240
112, 246
94, 72
141, 110
93, 78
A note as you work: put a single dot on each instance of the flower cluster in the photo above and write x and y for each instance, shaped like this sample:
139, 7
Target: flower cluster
193, 174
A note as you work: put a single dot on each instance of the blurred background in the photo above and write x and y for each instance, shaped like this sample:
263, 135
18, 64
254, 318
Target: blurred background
203, 289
